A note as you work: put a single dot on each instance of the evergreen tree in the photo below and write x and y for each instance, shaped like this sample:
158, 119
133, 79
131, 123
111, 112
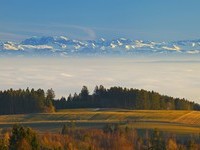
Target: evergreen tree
21, 135
50, 96
157, 142
84, 93
23, 101
118, 97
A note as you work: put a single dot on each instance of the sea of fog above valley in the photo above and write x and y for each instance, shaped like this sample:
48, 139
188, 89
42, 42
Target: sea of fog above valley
174, 76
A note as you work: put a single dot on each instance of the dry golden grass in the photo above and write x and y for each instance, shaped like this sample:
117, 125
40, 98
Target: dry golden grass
169, 120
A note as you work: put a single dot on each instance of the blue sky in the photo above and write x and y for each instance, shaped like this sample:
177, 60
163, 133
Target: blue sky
89, 19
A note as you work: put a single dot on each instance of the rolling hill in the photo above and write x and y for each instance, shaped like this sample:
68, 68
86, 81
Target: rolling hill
165, 120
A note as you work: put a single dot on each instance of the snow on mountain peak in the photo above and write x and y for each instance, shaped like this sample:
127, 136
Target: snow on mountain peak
173, 48
102, 39
10, 46
64, 38
63, 45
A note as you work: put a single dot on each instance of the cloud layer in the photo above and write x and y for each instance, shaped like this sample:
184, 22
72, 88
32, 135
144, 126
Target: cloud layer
174, 78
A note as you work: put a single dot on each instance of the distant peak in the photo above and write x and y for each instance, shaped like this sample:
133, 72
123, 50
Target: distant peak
63, 45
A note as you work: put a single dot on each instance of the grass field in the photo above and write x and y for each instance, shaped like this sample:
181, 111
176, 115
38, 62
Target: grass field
166, 120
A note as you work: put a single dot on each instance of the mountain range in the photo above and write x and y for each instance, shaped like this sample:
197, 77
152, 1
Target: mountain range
64, 46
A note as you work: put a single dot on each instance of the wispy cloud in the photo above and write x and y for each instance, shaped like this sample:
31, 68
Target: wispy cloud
66, 75
89, 31
8, 36
20, 31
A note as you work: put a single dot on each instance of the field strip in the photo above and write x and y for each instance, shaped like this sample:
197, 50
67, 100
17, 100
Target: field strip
183, 116
166, 120
132, 116
57, 125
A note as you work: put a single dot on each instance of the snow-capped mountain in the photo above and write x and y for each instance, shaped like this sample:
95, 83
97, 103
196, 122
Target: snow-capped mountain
65, 46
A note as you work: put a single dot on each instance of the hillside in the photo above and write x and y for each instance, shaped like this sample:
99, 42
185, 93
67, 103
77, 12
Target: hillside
37, 101
119, 97
166, 120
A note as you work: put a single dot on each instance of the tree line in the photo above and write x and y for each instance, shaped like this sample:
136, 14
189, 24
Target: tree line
26, 101
118, 97
34, 101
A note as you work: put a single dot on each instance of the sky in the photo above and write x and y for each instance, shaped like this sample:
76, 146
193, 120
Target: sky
159, 20
137, 19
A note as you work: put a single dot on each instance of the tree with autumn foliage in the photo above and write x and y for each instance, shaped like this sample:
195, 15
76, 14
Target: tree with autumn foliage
23, 139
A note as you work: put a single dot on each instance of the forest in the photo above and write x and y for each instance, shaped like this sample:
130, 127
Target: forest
118, 97
35, 101
26, 101
111, 137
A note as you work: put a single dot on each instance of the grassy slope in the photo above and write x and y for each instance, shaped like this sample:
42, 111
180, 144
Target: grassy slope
167, 120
